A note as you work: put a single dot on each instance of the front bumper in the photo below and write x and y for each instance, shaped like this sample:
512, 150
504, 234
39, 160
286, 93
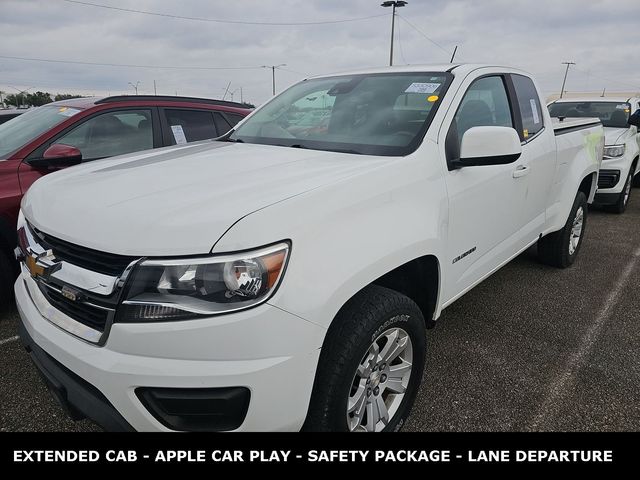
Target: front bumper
266, 350
613, 174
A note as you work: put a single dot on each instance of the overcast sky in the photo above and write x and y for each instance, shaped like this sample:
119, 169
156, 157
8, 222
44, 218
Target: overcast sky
602, 37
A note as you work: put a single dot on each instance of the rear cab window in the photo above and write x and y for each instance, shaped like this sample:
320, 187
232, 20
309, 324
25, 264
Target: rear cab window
530, 107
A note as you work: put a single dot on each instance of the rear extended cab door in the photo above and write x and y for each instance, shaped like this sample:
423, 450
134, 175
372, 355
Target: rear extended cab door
539, 156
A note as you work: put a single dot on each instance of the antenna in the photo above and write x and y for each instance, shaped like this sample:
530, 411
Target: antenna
454, 54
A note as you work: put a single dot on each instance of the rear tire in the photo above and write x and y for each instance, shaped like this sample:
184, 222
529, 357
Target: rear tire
371, 364
560, 249
623, 199
8, 274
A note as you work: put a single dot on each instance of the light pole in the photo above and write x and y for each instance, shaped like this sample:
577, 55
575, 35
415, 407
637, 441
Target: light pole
395, 4
566, 72
273, 74
135, 87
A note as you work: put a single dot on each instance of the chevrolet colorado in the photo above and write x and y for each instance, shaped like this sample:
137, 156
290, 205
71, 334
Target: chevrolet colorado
282, 277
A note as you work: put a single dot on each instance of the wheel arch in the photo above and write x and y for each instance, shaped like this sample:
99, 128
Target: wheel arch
589, 185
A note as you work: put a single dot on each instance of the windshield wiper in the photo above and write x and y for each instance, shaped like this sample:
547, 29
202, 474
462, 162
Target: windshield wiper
338, 150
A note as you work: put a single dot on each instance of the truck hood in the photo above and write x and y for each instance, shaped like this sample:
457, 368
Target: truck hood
177, 200
612, 136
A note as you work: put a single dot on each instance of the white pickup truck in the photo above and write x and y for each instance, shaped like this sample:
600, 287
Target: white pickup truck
620, 118
282, 277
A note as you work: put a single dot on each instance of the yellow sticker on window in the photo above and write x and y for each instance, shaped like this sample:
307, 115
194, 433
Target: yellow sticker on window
526, 133
62, 109
433, 98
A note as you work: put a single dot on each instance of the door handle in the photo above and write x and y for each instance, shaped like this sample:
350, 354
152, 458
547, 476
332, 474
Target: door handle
521, 171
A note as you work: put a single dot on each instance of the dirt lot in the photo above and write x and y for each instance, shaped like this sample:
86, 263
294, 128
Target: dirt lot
532, 348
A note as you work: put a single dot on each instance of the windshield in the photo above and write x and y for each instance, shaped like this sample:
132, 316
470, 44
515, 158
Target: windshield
19, 131
611, 114
374, 114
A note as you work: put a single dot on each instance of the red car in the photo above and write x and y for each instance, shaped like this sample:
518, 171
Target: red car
69, 132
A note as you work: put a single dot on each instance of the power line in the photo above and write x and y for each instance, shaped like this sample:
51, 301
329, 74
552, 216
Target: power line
448, 52
160, 67
215, 20
607, 79
400, 45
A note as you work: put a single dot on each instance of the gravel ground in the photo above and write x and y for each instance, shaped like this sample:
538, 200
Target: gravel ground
531, 348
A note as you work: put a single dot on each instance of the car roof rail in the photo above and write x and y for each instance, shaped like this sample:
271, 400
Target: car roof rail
168, 98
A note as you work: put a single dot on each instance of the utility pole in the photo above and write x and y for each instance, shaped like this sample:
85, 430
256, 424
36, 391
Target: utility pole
226, 90
566, 72
273, 75
394, 4
135, 87
241, 97
155, 92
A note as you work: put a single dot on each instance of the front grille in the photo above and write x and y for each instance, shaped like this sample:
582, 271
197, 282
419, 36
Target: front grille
94, 260
88, 315
608, 178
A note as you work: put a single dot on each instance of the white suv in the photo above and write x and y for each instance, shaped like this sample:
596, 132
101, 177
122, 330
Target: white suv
622, 144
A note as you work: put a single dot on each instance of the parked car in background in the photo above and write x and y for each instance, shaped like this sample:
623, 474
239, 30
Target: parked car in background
283, 277
622, 145
7, 114
69, 132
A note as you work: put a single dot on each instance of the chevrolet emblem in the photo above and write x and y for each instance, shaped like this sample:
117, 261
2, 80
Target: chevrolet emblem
42, 265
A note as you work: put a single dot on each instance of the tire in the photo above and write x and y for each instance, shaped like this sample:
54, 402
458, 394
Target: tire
560, 249
8, 274
623, 199
636, 181
377, 316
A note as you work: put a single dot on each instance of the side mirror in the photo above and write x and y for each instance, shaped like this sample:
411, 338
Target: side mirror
58, 155
489, 146
634, 120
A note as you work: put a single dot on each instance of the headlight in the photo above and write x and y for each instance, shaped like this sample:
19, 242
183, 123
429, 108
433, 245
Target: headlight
180, 289
614, 151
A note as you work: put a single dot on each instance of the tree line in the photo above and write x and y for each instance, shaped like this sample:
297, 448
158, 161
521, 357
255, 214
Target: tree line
36, 99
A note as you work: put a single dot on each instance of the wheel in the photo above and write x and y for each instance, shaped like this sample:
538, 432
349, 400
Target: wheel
561, 248
370, 366
623, 199
8, 274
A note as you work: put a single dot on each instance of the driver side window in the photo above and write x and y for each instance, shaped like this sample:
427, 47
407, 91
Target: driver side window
484, 104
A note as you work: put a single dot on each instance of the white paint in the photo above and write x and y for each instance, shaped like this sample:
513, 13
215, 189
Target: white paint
350, 219
578, 358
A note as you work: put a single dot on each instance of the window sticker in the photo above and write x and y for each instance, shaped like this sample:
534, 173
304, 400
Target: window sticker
623, 106
534, 109
178, 134
67, 111
432, 98
526, 133
418, 87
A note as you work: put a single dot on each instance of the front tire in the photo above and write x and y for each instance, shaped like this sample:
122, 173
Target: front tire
560, 249
370, 366
623, 199
8, 275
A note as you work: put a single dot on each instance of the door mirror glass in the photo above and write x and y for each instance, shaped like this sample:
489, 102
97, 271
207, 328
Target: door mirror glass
58, 155
489, 146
